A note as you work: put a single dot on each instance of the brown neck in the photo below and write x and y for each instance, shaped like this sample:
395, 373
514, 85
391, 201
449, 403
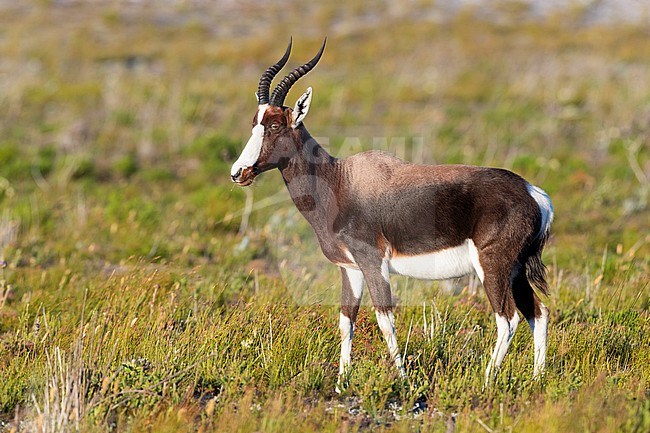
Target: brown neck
313, 178
309, 160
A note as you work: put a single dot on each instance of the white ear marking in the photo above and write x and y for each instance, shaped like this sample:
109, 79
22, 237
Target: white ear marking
257, 97
301, 108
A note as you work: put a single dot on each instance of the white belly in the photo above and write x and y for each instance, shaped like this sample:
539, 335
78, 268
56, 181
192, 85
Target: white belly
448, 263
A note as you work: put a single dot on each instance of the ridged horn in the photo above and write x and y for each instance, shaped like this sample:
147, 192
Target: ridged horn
280, 92
268, 75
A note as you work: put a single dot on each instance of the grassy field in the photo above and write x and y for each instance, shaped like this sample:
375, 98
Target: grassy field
131, 298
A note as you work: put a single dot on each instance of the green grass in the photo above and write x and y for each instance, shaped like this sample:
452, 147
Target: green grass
131, 302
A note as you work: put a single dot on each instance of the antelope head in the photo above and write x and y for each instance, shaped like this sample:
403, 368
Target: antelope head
275, 137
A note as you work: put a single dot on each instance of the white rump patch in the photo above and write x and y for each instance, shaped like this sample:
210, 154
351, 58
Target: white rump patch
545, 206
448, 263
253, 147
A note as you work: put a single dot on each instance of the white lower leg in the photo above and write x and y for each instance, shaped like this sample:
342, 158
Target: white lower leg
347, 331
505, 331
539, 327
386, 322
346, 326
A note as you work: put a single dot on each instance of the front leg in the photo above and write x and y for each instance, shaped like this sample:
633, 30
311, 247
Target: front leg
378, 279
351, 291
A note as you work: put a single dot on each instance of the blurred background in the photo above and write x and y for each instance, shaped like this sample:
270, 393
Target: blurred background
119, 120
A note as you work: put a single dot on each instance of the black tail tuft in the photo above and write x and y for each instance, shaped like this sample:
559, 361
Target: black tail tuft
535, 269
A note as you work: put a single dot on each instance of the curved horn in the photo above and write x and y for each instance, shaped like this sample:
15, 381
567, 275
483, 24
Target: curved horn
280, 92
269, 74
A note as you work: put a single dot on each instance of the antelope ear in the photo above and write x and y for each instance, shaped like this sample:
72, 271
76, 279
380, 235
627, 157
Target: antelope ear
301, 109
257, 97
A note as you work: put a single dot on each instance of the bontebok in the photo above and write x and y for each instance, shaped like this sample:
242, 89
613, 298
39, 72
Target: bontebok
374, 215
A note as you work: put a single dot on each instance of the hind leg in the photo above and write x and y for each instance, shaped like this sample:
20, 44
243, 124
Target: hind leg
539, 327
497, 285
536, 314
506, 327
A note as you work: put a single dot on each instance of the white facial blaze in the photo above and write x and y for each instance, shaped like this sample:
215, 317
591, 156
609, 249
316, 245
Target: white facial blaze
253, 147
260, 112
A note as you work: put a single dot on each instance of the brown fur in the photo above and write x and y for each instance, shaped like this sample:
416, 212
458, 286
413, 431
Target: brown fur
373, 202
